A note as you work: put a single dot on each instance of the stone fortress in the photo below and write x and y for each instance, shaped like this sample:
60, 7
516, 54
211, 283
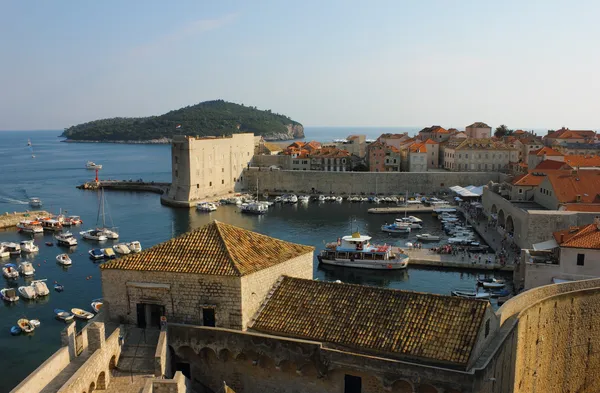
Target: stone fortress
230, 305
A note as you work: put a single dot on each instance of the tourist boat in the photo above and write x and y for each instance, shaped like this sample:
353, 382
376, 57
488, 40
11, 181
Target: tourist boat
59, 287
4, 253
65, 239
121, 248
426, 237
93, 234
40, 287
30, 226
134, 246
10, 271
206, 207
396, 228
27, 246
25, 325
412, 219
356, 251
9, 295
74, 220
26, 269
256, 208
13, 248
491, 283
92, 165
51, 225
35, 202
412, 225
27, 292
471, 295
63, 315
15, 330
64, 260
96, 253
82, 314
96, 306
109, 253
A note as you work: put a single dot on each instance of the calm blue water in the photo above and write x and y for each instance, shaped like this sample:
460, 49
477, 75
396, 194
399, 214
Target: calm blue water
59, 167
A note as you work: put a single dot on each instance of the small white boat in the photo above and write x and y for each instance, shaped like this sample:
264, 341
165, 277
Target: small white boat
121, 248
27, 292
9, 295
82, 314
303, 199
339, 199
10, 271
206, 207
92, 165
411, 225
13, 248
4, 253
412, 219
471, 295
35, 202
65, 239
134, 246
256, 208
63, 315
278, 199
96, 306
25, 325
396, 228
26, 269
40, 288
64, 259
321, 198
30, 226
35, 323
93, 234
496, 284
27, 246
110, 233
425, 237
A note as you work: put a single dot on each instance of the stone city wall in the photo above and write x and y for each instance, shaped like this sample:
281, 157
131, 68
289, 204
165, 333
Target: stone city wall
161, 359
361, 182
179, 384
45, 373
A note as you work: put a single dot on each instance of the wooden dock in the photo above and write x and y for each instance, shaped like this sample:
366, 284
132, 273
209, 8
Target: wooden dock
401, 209
10, 220
124, 185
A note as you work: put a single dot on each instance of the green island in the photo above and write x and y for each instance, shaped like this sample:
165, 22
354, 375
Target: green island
209, 118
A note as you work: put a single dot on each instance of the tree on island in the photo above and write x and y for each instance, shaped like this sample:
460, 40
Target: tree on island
502, 131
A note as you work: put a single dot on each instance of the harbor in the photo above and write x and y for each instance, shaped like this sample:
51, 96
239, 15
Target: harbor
10, 220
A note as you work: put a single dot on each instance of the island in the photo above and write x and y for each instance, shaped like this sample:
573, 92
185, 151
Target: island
209, 118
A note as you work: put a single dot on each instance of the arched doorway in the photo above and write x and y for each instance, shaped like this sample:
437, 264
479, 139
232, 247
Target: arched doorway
510, 225
501, 219
101, 381
113, 362
494, 209
92, 387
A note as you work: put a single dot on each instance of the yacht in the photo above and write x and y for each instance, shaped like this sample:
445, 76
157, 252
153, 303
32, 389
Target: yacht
13, 248
412, 219
134, 246
92, 165
356, 251
234, 201
93, 234
27, 246
426, 237
396, 227
27, 292
30, 226
206, 207
257, 208
51, 225
35, 202
65, 239
40, 288
121, 248
96, 253
4, 253
26, 269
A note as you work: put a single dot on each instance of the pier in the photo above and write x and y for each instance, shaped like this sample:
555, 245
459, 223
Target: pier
426, 257
402, 209
126, 185
10, 220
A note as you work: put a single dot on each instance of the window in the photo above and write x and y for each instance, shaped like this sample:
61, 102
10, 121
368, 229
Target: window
222, 170
210, 184
520, 190
352, 384
176, 160
466, 155
580, 259
176, 173
487, 328
208, 316
197, 185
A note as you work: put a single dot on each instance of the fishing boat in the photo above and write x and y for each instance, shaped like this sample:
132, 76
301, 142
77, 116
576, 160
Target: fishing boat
96, 253
356, 251
206, 207
471, 295
109, 253
40, 288
15, 330
426, 237
64, 260
256, 208
28, 247
82, 314
94, 234
27, 292
9, 295
30, 226
25, 325
134, 246
26, 269
65, 239
59, 287
13, 248
4, 253
121, 248
10, 271
396, 227
92, 165
63, 315
35, 202
96, 306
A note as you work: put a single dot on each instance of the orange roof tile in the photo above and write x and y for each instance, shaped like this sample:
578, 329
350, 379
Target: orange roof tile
570, 135
402, 323
551, 164
568, 186
418, 148
587, 236
529, 179
582, 161
430, 141
215, 249
545, 151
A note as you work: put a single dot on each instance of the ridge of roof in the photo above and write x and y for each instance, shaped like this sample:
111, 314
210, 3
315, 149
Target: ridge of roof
227, 252
585, 236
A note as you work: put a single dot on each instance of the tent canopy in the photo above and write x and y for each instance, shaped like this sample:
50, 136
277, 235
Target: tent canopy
547, 245
463, 192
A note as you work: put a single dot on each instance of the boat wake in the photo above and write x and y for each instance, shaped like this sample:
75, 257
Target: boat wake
13, 201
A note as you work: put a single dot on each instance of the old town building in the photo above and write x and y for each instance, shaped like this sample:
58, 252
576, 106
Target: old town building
478, 130
567, 136
476, 155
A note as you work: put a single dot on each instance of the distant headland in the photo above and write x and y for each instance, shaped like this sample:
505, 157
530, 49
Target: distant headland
209, 118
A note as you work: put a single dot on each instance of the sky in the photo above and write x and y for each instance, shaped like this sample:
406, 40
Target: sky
527, 64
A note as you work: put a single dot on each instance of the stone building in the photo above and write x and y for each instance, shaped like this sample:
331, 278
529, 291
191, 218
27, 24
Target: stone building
396, 140
535, 157
475, 155
417, 157
206, 167
216, 275
478, 130
567, 136
435, 133
354, 144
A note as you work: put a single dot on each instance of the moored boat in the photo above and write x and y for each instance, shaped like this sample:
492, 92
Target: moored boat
65, 239
256, 208
30, 226
51, 225
25, 325
27, 292
82, 314
74, 220
96, 306
121, 248
426, 237
4, 253
9, 295
28, 247
206, 207
396, 228
59, 287
64, 259
471, 295
26, 269
356, 251
15, 330
134, 246
40, 288
491, 283
109, 253
96, 253
10, 271
63, 315
13, 248
93, 234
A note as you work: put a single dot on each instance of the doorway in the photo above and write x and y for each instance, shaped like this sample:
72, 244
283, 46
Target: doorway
208, 316
352, 384
148, 315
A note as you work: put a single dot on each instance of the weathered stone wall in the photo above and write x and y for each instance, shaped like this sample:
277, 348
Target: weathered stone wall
161, 360
182, 295
362, 182
538, 274
256, 286
179, 384
283, 161
47, 371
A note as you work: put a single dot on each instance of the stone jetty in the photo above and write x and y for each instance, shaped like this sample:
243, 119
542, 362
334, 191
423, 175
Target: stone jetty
126, 185
9, 220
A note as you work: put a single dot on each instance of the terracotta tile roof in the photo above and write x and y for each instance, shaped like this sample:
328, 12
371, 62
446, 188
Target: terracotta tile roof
567, 186
559, 133
571, 135
545, 151
529, 179
435, 129
215, 249
272, 146
587, 236
330, 152
519, 132
482, 144
393, 149
418, 148
402, 323
430, 141
479, 124
551, 164
582, 161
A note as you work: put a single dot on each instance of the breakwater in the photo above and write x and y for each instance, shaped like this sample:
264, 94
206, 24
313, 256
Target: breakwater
124, 185
367, 183
9, 220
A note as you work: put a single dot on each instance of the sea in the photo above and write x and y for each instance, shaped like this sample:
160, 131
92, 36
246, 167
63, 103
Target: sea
59, 167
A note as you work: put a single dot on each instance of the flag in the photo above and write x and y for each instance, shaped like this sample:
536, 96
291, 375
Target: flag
178, 126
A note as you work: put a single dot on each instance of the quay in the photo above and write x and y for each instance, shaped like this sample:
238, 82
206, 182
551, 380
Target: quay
9, 220
401, 209
126, 185
426, 257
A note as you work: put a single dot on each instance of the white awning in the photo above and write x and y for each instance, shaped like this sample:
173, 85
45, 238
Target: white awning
559, 280
547, 245
463, 192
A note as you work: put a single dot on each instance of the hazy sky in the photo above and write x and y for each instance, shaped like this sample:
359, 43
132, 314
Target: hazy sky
528, 64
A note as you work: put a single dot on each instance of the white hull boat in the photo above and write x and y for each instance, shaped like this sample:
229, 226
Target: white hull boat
393, 228
4, 252
206, 207
9, 295
121, 248
427, 237
82, 314
40, 288
29, 226
35, 202
110, 234
493, 285
13, 248
26, 269
28, 247
92, 165
10, 271
256, 208
64, 260
471, 295
93, 234
134, 246
66, 239
27, 292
